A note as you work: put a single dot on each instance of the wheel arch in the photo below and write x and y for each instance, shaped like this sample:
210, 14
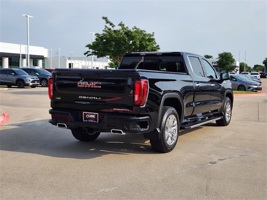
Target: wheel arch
241, 85
43, 79
20, 79
231, 96
174, 100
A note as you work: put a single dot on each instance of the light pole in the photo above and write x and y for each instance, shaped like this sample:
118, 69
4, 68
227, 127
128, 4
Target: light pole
59, 57
51, 58
92, 33
28, 38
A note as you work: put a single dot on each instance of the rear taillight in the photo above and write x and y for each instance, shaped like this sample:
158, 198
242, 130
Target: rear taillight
50, 88
140, 92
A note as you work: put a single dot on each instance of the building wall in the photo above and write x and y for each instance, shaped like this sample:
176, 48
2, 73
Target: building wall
14, 55
76, 62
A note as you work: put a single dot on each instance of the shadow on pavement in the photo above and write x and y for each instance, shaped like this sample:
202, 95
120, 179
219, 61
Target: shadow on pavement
40, 137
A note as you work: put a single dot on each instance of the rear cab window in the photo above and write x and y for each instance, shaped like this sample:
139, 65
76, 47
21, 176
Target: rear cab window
170, 63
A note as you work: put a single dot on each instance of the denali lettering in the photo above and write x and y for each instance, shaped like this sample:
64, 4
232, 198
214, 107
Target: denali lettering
92, 98
91, 84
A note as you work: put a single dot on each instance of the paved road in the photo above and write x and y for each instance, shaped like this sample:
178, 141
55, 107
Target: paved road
40, 161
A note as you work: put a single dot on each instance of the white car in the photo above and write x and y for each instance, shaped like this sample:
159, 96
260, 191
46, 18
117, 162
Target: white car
255, 74
245, 73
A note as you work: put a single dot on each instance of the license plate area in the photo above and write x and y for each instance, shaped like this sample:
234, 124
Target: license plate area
90, 117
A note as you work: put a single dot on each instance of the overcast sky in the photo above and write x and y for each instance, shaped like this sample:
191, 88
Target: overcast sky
196, 26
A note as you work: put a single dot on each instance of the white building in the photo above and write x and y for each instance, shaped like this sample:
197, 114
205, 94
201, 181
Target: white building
14, 55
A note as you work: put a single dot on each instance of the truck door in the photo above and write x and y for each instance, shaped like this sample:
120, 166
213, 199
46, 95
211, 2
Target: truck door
202, 87
216, 93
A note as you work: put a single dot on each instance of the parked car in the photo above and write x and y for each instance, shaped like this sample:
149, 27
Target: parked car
42, 74
49, 69
253, 78
263, 75
255, 74
239, 82
18, 77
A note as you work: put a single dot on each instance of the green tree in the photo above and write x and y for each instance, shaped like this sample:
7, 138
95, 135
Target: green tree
258, 68
116, 42
265, 64
208, 56
226, 61
243, 67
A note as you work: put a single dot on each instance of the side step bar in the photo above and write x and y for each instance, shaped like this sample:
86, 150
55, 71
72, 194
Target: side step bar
194, 125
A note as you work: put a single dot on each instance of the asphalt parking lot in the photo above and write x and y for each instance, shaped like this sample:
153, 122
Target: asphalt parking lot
41, 161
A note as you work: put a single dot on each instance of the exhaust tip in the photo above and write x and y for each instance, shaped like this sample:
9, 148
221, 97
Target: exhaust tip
117, 131
62, 125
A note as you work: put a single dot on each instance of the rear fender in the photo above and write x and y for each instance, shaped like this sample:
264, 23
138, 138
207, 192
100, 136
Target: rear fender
174, 100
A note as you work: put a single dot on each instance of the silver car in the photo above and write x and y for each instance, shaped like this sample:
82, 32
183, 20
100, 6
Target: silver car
17, 77
239, 82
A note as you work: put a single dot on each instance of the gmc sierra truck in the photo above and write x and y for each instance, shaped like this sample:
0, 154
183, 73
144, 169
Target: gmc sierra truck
156, 94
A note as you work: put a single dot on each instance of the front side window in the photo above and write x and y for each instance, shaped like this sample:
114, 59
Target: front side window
210, 73
196, 66
43, 72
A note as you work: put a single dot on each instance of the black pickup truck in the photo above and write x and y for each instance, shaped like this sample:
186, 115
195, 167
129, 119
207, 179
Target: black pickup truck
156, 94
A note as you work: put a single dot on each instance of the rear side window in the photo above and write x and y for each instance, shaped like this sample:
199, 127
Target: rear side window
9, 72
196, 66
2, 71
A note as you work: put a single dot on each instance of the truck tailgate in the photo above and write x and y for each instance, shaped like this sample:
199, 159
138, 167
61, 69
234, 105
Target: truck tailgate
109, 87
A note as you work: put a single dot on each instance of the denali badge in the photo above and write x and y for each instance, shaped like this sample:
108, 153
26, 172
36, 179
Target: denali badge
91, 98
92, 84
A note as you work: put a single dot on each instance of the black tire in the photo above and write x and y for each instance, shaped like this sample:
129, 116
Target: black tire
85, 135
169, 131
227, 113
20, 84
44, 83
9, 86
241, 88
33, 86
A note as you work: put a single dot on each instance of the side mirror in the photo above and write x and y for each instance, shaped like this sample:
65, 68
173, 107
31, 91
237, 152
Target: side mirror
224, 76
13, 73
37, 73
